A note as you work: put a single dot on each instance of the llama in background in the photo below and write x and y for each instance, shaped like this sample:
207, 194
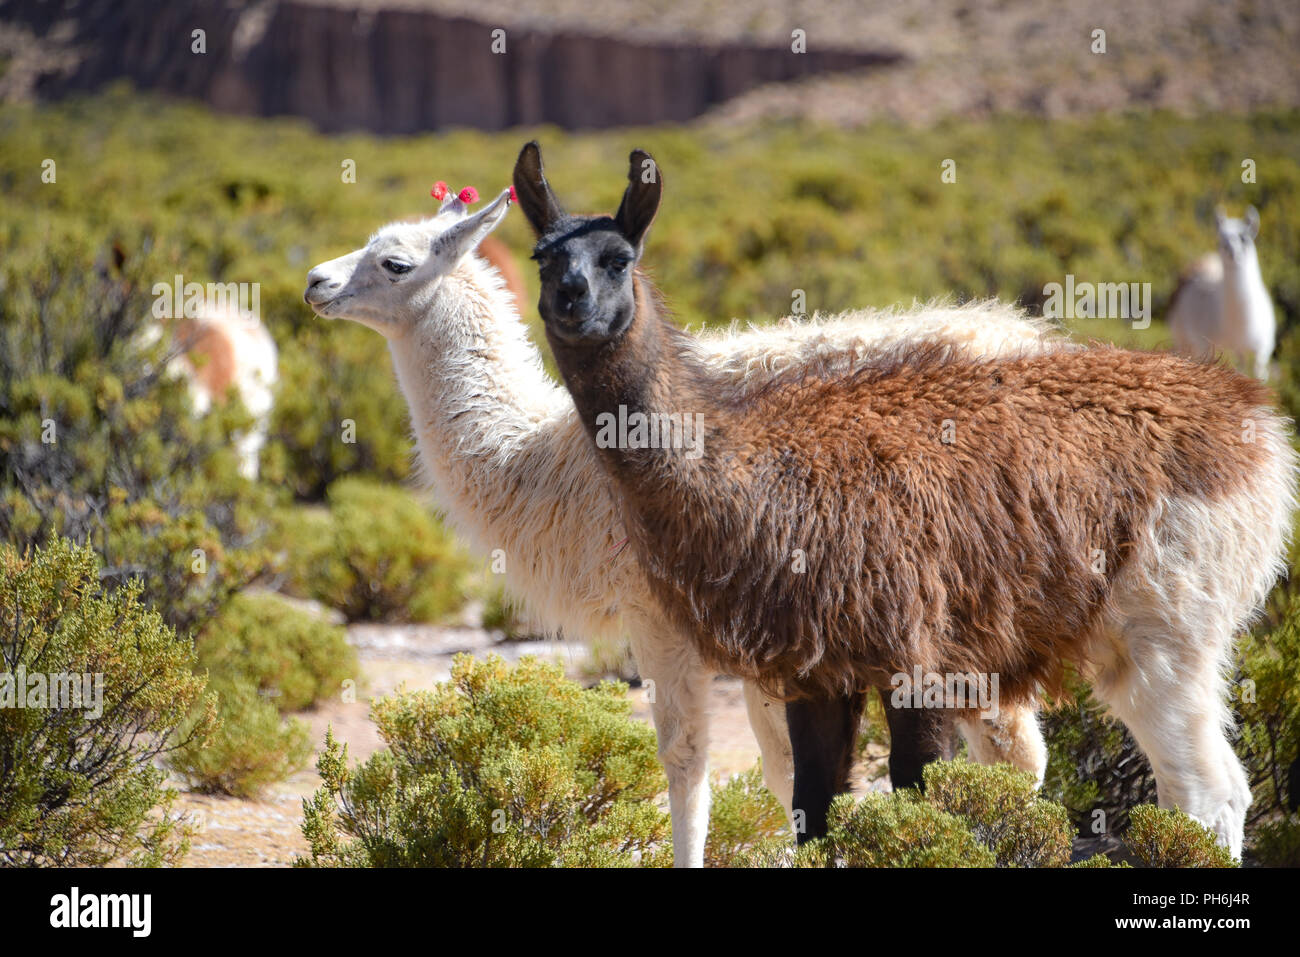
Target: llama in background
905, 483
503, 451
215, 341
221, 348
1221, 301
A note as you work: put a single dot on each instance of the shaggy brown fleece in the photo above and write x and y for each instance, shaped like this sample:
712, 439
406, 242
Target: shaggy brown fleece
991, 552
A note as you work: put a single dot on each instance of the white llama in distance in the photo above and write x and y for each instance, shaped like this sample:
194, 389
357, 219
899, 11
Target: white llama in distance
1221, 302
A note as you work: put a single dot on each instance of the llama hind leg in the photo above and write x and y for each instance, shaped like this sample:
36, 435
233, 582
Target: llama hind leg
822, 734
1173, 704
916, 738
1013, 737
767, 719
679, 699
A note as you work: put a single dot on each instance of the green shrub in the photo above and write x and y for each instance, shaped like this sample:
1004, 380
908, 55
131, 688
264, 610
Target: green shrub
252, 747
1003, 809
969, 815
97, 445
1162, 838
1277, 843
1267, 698
894, 830
1098, 860
500, 613
292, 657
378, 554
338, 411
610, 657
79, 786
498, 767
743, 816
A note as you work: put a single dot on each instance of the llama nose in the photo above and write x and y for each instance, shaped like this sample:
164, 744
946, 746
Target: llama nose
317, 286
573, 287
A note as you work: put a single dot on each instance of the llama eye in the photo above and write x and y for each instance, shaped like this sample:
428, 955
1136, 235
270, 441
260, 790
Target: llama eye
619, 264
396, 266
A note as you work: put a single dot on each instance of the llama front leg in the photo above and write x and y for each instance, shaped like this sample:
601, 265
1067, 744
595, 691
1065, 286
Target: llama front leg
822, 733
678, 689
1177, 715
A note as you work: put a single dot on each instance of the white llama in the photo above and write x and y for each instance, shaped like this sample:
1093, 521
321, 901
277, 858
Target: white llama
1221, 301
505, 456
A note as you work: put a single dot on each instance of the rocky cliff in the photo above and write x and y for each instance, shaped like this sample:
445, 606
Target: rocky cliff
399, 70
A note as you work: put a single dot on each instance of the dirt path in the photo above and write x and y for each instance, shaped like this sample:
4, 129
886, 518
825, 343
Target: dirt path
235, 832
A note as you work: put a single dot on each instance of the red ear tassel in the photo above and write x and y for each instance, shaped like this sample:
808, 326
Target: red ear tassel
468, 195
513, 197
439, 190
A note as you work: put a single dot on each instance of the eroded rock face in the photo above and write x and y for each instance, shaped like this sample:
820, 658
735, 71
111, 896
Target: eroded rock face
400, 70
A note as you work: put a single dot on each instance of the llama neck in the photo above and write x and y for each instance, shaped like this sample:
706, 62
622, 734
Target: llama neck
477, 394
1246, 302
642, 398
1243, 272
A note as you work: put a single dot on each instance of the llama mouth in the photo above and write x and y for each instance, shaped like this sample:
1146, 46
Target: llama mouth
587, 328
324, 308
579, 333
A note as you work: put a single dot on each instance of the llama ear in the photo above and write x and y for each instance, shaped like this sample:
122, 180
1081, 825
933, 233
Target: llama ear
465, 235
1252, 221
645, 188
1219, 215
535, 196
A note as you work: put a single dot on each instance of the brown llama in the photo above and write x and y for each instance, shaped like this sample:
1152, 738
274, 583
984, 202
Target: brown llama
926, 512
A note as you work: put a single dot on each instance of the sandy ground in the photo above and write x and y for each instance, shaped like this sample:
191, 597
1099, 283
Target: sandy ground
235, 832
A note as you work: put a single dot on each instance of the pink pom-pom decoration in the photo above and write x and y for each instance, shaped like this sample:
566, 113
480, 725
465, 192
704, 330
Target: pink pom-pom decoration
439, 190
468, 195
514, 198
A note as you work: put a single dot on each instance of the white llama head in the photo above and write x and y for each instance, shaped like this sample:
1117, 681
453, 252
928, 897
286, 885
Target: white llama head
1237, 236
389, 284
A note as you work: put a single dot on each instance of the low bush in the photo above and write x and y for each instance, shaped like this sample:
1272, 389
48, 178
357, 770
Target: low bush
1005, 813
744, 816
290, 656
1163, 838
79, 785
894, 830
1277, 843
1267, 699
501, 613
337, 412
1097, 860
975, 816
498, 767
264, 658
253, 745
377, 554
610, 657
